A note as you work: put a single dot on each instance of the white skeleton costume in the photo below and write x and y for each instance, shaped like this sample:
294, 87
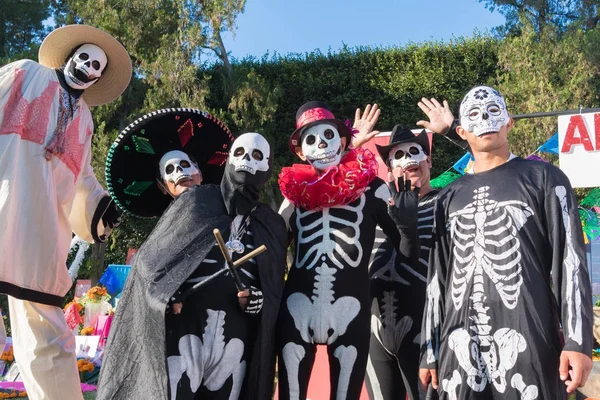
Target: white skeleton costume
508, 267
326, 297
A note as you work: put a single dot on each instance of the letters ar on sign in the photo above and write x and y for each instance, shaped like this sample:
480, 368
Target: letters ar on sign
579, 148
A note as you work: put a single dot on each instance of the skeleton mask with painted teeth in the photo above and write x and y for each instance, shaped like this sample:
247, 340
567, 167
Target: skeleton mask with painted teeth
250, 152
406, 156
483, 110
85, 66
322, 146
176, 166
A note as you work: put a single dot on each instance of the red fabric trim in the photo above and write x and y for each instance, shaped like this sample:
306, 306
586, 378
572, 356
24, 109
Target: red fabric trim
339, 185
314, 114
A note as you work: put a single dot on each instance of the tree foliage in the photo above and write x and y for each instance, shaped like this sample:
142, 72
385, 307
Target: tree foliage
545, 72
539, 14
21, 28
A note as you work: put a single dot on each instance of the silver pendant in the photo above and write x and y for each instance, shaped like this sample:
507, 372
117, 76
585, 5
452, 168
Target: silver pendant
235, 246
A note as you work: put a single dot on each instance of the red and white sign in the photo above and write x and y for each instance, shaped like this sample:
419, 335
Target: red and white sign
579, 148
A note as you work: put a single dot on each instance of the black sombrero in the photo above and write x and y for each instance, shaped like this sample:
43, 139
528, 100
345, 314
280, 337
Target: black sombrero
132, 161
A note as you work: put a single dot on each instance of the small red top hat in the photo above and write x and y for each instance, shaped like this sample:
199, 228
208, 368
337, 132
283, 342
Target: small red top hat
314, 113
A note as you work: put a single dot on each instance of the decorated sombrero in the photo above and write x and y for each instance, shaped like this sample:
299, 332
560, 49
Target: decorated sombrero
59, 43
132, 161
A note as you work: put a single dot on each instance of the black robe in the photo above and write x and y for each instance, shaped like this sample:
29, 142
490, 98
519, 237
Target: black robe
508, 268
134, 364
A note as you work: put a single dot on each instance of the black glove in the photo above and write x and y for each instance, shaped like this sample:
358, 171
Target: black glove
109, 213
403, 205
255, 301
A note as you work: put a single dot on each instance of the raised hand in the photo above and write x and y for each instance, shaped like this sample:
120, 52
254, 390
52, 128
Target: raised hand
365, 124
403, 205
440, 116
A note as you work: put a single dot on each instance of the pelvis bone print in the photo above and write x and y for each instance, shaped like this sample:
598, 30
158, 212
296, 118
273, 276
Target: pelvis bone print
486, 246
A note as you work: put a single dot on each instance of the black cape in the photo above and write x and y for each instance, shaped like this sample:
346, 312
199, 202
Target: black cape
134, 364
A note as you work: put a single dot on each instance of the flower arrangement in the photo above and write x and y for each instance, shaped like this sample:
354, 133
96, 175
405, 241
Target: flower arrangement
85, 367
11, 393
87, 331
82, 312
8, 356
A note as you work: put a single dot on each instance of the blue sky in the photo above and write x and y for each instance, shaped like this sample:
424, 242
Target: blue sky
285, 26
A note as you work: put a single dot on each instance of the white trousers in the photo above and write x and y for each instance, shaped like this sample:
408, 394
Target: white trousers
44, 349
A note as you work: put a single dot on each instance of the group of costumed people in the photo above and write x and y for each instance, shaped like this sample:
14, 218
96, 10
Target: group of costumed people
479, 290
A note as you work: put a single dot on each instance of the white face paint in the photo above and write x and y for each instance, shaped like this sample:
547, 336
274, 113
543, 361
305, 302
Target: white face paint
250, 152
483, 110
322, 146
85, 67
406, 156
175, 166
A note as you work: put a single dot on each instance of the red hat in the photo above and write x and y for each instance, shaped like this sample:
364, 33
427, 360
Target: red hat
314, 113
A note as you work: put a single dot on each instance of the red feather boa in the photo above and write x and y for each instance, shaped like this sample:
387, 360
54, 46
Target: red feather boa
338, 185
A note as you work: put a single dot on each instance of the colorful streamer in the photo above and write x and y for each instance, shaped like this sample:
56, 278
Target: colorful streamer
551, 145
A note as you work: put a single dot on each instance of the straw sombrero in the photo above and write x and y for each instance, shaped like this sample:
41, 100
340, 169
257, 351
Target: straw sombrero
132, 160
57, 46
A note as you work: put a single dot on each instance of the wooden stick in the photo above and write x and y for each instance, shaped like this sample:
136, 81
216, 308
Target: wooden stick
248, 256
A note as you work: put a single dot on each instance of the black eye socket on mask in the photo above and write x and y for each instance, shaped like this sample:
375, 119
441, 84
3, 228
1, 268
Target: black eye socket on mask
310, 139
399, 154
329, 134
84, 56
257, 155
170, 168
185, 164
96, 65
414, 150
238, 152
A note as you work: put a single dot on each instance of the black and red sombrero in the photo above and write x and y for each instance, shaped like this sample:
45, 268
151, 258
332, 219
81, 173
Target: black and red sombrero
132, 161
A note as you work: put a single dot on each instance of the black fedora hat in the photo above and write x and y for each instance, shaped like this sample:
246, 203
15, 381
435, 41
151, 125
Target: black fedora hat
132, 161
314, 113
401, 134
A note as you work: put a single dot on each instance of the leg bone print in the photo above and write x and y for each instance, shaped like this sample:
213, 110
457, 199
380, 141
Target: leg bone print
209, 361
484, 236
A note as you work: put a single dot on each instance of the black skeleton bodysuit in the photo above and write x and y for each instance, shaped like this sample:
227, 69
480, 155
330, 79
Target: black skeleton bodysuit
213, 328
397, 301
508, 267
326, 296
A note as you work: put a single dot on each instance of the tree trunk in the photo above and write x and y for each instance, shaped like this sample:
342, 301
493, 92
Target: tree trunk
97, 269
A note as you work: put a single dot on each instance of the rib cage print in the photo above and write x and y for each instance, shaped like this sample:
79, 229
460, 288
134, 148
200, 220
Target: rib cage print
320, 231
484, 238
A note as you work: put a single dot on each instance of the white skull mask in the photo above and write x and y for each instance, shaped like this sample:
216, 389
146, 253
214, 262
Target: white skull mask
406, 155
85, 67
322, 146
483, 110
176, 166
250, 152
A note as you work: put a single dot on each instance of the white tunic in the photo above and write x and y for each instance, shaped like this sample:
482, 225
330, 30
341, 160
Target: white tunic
47, 186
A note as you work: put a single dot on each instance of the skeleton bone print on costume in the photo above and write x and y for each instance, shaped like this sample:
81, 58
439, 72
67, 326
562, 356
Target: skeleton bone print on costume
209, 361
250, 152
321, 318
322, 146
485, 244
572, 264
85, 67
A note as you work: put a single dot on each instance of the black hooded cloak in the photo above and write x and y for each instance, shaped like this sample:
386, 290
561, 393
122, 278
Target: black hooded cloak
134, 365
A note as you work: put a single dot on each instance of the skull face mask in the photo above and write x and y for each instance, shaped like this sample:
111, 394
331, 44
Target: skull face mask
406, 156
85, 67
176, 167
483, 110
322, 146
250, 153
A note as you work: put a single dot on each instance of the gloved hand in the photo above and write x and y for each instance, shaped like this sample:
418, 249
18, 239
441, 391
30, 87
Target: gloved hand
109, 213
403, 205
251, 300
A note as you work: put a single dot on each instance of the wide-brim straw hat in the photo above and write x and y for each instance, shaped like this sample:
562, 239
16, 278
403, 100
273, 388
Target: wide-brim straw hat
57, 46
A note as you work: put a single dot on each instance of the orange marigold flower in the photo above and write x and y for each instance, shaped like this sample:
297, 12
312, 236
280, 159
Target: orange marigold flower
87, 331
